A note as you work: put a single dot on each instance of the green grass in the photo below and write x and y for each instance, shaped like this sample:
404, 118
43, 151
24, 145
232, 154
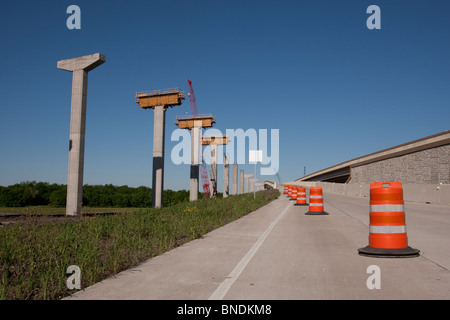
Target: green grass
34, 257
52, 211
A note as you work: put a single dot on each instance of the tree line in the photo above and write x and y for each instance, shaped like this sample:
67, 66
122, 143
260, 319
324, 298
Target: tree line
43, 193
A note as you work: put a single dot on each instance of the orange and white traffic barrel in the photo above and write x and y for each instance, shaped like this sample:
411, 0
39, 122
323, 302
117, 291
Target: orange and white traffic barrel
316, 201
294, 193
289, 191
301, 197
286, 187
387, 228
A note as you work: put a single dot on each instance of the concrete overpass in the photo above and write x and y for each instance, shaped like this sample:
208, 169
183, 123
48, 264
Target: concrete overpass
270, 184
422, 161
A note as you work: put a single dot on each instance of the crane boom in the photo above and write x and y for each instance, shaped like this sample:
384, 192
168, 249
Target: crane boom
203, 168
192, 100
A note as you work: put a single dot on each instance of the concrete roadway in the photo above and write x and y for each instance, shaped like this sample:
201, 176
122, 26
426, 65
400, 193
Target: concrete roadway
278, 252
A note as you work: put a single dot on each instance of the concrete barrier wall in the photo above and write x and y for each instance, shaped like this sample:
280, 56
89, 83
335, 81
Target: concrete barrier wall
429, 166
424, 193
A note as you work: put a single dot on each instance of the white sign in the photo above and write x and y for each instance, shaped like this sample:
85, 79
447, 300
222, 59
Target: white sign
255, 156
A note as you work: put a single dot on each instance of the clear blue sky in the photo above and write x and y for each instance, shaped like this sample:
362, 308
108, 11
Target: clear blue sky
334, 88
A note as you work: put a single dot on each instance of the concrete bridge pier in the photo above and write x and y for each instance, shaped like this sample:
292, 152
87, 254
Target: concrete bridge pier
159, 124
195, 160
159, 101
246, 177
235, 179
241, 182
79, 67
226, 178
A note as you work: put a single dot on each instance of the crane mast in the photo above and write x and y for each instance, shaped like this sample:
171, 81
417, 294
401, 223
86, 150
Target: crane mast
203, 168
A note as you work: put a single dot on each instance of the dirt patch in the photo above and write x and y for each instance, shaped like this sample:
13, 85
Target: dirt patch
9, 220
13, 219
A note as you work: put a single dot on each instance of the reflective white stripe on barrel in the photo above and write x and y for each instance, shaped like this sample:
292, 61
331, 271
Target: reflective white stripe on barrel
387, 229
316, 204
316, 197
387, 208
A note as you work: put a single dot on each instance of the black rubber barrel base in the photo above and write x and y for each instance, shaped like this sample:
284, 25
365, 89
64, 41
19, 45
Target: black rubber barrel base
301, 204
312, 213
407, 252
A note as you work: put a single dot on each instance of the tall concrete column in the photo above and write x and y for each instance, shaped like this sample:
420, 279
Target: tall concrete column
79, 67
252, 184
235, 179
213, 170
226, 176
159, 123
241, 182
195, 160
246, 177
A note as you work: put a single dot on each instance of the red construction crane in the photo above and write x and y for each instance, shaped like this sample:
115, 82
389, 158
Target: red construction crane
203, 168
192, 100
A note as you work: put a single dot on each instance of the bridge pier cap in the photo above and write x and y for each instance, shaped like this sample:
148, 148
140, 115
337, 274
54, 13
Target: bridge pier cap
86, 63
